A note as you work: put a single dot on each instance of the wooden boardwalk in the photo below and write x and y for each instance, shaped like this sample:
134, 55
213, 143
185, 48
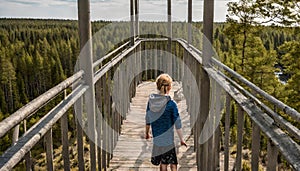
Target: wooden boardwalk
133, 152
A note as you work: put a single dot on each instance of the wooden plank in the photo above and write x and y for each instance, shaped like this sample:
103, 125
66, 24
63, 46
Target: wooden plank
78, 108
227, 133
272, 154
49, 150
133, 152
104, 129
204, 111
240, 126
255, 147
65, 141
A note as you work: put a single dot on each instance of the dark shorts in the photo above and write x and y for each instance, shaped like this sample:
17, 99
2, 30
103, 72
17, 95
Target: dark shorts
163, 155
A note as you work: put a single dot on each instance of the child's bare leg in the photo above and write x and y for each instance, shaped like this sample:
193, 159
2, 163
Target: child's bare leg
173, 167
163, 167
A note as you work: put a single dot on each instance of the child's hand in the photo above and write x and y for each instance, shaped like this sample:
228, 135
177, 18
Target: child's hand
183, 143
148, 136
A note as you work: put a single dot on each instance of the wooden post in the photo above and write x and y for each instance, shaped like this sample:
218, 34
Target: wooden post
240, 126
104, 129
217, 133
79, 134
169, 63
15, 134
64, 137
137, 23
65, 141
99, 90
132, 22
27, 157
208, 19
49, 150
255, 147
85, 62
205, 83
272, 155
190, 16
227, 129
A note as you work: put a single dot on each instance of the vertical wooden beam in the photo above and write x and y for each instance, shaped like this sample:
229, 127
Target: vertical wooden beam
204, 111
169, 63
104, 129
15, 134
217, 133
85, 62
65, 141
49, 149
27, 157
240, 126
64, 137
132, 22
190, 16
79, 134
272, 155
137, 22
28, 161
205, 83
208, 19
99, 91
255, 147
227, 129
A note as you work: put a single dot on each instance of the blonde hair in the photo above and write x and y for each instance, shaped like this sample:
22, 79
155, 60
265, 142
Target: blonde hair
163, 81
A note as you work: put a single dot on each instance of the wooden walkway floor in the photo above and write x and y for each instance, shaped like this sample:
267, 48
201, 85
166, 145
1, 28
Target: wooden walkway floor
133, 152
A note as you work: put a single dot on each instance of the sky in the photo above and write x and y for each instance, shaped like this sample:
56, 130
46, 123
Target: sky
155, 10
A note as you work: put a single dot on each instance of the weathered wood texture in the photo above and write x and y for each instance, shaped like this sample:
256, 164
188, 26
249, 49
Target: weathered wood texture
133, 152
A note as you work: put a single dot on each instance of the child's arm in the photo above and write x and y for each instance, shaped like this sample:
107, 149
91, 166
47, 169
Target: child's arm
179, 132
148, 132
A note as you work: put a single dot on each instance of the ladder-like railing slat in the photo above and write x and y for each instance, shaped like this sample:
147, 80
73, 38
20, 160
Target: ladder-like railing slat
286, 109
288, 147
113, 62
280, 121
14, 154
36, 104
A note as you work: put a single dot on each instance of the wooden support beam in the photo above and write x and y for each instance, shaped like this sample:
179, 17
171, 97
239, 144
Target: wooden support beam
205, 83
86, 64
227, 133
65, 141
240, 126
49, 150
190, 16
255, 147
208, 19
137, 24
272, 155
79, 110
169, 46
132, 22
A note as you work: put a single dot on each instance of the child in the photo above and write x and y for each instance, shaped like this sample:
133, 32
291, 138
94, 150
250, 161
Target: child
162, 114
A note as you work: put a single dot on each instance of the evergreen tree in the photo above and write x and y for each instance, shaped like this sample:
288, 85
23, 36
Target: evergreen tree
290, 59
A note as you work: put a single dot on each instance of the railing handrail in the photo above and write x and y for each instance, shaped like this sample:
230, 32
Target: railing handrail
15, 153
114, 61
288, 147
285, 108
36, 104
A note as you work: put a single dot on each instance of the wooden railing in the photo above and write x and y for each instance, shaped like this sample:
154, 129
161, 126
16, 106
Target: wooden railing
282, 135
